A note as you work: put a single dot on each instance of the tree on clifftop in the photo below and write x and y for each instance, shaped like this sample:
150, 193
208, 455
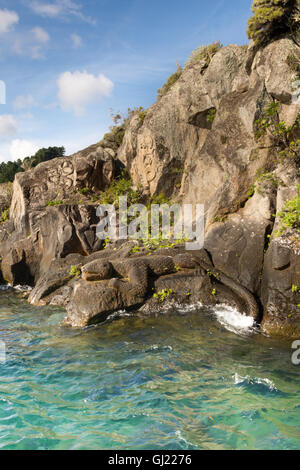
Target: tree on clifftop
273, 19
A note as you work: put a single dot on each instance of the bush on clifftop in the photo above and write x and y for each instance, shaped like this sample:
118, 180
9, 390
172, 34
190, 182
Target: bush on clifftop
272, 19
205, 53
170, 82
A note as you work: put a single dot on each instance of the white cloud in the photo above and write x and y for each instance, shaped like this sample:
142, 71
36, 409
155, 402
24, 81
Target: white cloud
46, 9
24, 102
77, 90
8, 125
22, 148
7, 20
60, 9
31, 43
40, 35
77, 40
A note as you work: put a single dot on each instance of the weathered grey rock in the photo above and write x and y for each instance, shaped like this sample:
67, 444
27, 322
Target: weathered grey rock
181, 151
50, 233
60, 179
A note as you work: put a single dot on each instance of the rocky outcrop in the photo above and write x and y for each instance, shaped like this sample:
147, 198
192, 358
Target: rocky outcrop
181, 152
196, 144
111, 280
51, 214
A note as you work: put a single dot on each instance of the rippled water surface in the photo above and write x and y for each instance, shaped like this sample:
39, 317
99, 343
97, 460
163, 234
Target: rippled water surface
172, 382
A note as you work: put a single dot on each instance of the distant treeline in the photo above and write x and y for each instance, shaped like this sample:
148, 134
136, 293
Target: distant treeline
8, 170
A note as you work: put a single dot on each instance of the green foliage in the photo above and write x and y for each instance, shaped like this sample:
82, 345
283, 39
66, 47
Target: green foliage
295, 289
153, 244
8, 170
290, 215
4, 217
273, 19
84, 191
205, 53
170, 82
266, 177
220, 218
43, 155
106, 243
163, 295
54, 203
251, 191
141, 113
283, 137
211, 115
214, 292
121, 186
75, 271
121, 121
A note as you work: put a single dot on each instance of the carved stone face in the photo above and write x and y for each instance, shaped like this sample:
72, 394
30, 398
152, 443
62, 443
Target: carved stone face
146, 158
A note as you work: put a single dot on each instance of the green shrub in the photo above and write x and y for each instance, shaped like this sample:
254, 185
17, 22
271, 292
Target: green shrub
141, 113
290, 215
4, 217
75, 271
211, 115
122, 186
54, 203
205, 53
170, 82
163, 295
283, 137
272, 19
266, 177
84, 191
121, 121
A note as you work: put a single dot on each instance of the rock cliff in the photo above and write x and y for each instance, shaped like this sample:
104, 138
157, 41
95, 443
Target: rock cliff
224, 135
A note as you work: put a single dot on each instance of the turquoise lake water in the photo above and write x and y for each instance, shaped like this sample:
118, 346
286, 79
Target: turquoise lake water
181, 381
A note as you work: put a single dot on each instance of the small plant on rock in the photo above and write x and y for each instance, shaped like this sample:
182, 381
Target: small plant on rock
54, 203
4, 217
163, 295
170, 82
205, 53
75, 271
290, 215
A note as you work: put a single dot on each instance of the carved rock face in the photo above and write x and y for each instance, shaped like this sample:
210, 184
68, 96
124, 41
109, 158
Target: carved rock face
58, 180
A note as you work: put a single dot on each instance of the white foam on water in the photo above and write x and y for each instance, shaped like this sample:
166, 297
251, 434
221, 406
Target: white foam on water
180, 308
23, 288
118, 314
232, 319
238, 379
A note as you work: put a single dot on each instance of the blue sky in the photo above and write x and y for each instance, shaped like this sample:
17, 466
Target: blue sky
66, 63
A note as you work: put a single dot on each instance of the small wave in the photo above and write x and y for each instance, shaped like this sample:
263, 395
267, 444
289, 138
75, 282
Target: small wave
180, 308
232, 319
155, 347
23, 288
240, 380
118, 314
